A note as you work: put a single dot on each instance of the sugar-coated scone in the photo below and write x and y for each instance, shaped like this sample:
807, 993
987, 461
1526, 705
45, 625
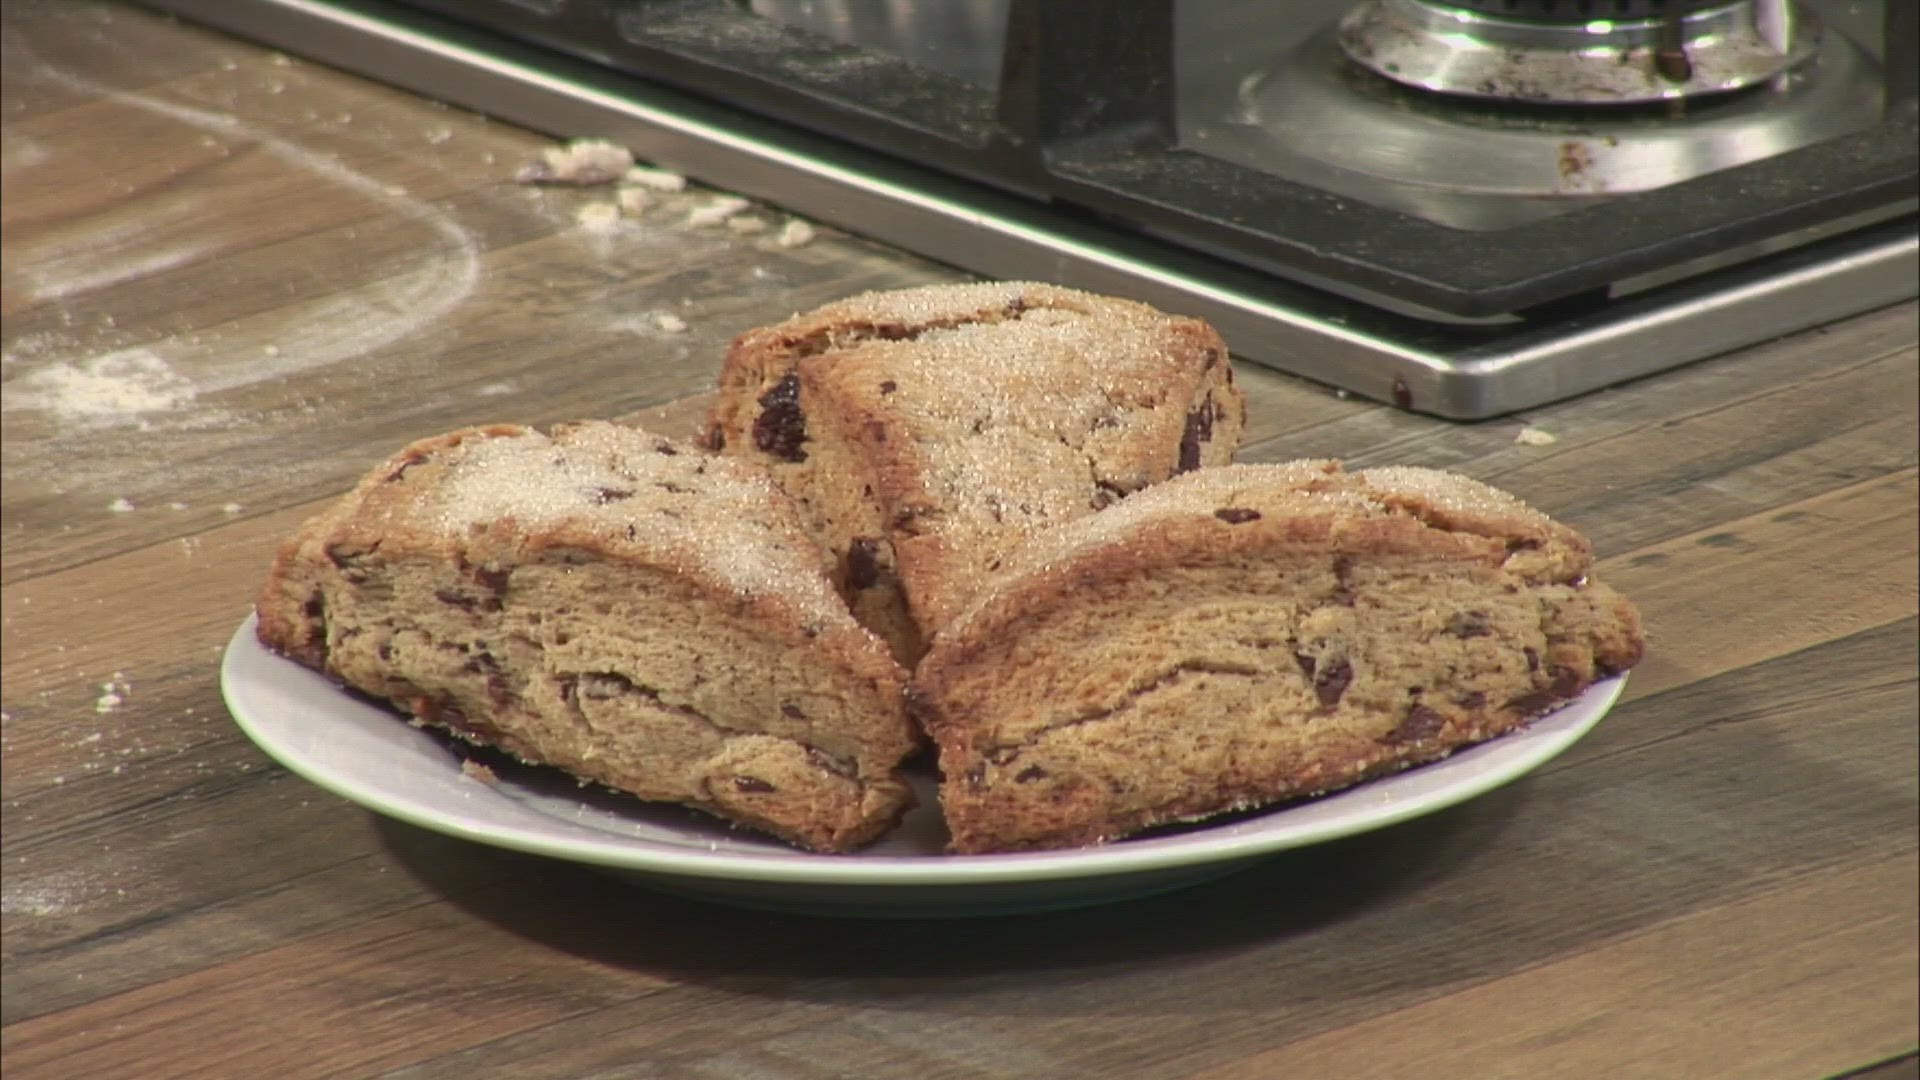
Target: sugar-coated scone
1249, 634
636, 612
928, 433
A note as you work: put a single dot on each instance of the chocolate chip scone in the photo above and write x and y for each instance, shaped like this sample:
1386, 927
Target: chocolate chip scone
1249, 634
635, 612
927, 433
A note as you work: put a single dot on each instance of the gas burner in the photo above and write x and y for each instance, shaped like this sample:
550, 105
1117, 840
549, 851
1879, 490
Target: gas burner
1487, 165
1579, 52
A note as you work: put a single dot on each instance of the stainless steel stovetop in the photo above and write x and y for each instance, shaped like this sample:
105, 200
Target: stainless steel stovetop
1462, 207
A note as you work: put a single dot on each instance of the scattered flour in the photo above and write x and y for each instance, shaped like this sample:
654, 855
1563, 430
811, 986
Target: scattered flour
122, 505
139, 387
598, 217
116, 388
55, 894
1533, 436
670, 323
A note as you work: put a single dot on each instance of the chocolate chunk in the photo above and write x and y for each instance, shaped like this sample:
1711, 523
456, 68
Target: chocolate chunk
863, 564
752, 785
1306, 662
1107, 494
781, 427
888, 386
1533, 659
1330, 685
1469, 624
1402, 393
495, 583
1532, 702
1199, 430
1421, 722
1236, 515
1343, 594
1566, 681
1029, 774
601, 496
665, 447
792, 712
455, 599
1472, 699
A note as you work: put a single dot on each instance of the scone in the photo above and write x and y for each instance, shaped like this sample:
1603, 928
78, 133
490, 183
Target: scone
927, 433
635, 612
1249, 634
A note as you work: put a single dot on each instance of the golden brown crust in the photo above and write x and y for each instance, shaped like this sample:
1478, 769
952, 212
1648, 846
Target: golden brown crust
612, 603
1254, 633
928, 432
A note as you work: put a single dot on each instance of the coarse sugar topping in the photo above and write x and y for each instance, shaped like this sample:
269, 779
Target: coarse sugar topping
640, 495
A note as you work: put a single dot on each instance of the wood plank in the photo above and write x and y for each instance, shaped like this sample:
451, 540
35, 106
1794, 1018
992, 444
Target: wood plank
1723, 439
1762, 586
1797, 982
383, 994
109, 44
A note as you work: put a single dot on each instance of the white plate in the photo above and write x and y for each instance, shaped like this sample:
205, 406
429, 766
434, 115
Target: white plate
365, 753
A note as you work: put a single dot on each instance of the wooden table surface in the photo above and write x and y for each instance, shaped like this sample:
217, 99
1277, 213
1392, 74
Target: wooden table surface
234, 280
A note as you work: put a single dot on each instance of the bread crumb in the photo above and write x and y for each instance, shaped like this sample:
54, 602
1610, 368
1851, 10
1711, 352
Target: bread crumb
670, 323
473, 770
176, 506
232, 508
634, 201
795, 233
598, 217
746, 226
1533, 436
121, 505
580, 163
657, 179
717, 211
